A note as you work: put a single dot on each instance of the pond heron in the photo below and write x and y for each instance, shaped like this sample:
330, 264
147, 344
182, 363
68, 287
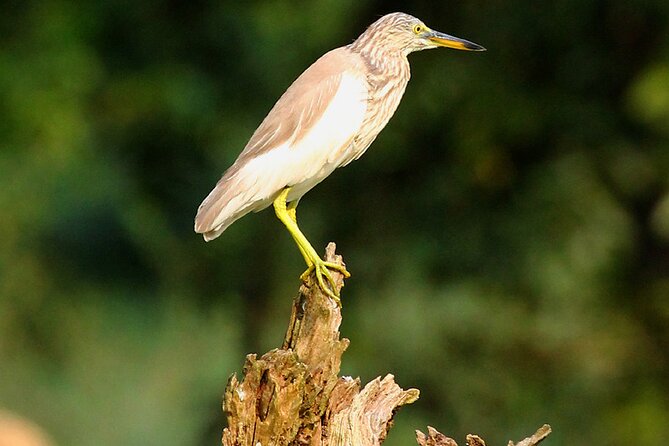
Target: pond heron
327, 118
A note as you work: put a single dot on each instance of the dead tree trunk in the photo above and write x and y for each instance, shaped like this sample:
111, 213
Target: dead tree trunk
294, 396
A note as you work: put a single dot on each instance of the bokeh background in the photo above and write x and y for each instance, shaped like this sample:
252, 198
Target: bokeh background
508, 233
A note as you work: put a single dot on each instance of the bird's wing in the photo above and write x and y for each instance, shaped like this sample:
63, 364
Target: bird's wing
285, 136
303, 104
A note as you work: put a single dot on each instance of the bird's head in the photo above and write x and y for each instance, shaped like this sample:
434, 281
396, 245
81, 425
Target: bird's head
403, 33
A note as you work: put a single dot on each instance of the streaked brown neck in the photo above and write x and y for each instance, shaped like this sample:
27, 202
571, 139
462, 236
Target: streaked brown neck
381, 64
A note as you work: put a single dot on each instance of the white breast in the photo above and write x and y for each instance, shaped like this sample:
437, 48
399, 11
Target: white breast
303, 164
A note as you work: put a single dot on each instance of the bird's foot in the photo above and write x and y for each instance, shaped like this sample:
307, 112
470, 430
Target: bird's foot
322, 270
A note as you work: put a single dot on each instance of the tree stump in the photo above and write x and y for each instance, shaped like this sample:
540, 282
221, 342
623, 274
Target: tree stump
294, 396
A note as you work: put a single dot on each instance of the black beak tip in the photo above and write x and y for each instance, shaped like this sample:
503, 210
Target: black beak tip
475, 47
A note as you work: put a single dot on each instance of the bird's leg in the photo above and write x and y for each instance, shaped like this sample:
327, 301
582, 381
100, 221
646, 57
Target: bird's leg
291, 210
287, 215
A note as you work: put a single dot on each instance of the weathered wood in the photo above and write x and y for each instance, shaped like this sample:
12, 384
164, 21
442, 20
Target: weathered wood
436, 438
536, 438
294, 396
433, 438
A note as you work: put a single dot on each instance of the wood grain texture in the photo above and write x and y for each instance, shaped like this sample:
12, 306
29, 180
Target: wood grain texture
294, 395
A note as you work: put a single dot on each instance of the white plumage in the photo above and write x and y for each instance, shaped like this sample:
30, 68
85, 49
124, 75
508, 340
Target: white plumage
327, 118
315, 139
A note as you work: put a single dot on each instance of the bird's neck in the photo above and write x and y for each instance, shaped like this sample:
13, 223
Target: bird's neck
374, 48
382, 63
387, 76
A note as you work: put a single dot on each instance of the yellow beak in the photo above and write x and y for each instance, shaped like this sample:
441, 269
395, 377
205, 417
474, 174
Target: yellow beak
447, 41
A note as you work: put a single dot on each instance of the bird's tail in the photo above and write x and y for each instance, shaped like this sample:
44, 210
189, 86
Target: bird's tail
234, 196
222, 207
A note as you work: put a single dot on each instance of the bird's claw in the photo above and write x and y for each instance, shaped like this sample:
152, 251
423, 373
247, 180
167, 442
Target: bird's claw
322, 269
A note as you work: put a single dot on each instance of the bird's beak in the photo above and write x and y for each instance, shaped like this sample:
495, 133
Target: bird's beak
447, 41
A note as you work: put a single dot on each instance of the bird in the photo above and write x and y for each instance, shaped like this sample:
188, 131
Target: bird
326, 119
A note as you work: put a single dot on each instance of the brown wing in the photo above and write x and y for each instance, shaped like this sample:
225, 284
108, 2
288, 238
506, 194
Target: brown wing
301, 105
290, 119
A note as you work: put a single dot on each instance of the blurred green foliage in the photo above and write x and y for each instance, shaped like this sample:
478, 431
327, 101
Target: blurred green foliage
508, 233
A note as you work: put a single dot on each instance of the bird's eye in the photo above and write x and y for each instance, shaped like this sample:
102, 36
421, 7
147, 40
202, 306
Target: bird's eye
417, 29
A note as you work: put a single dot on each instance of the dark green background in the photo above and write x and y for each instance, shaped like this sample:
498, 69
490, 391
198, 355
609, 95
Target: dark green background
508, 233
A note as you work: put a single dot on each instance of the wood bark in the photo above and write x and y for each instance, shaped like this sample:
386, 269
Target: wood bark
294, 395
436, 438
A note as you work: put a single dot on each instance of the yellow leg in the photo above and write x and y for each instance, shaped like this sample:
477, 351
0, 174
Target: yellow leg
288, 216
291, 210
